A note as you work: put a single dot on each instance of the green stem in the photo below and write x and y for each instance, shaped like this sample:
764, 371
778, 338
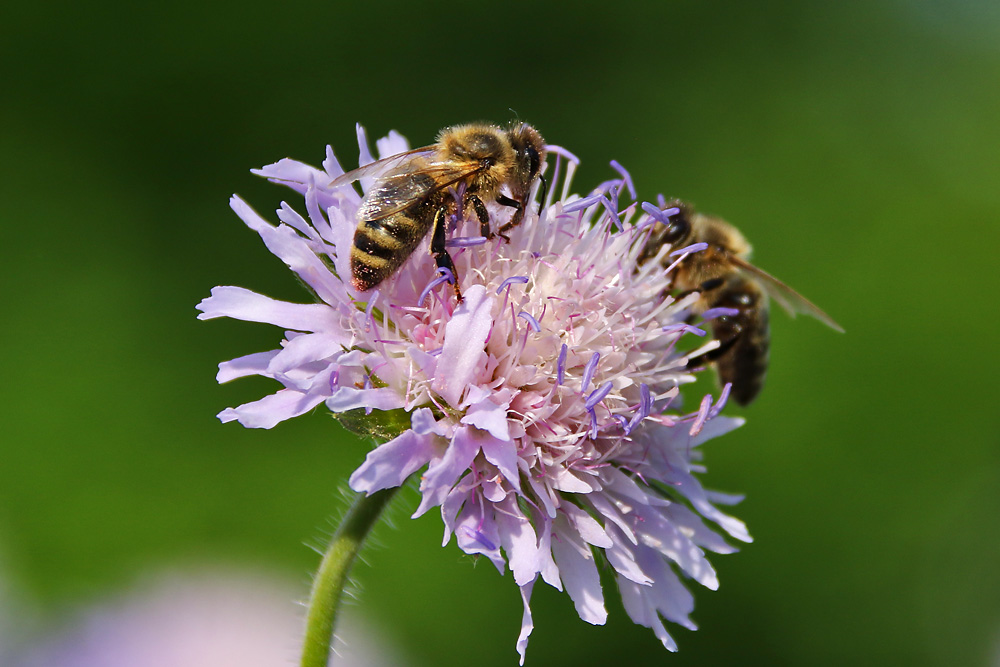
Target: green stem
328, 587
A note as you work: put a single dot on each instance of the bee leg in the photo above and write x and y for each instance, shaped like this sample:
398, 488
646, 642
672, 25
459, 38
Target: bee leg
515, 220
717, 353
483, 215
707, 286
440, 252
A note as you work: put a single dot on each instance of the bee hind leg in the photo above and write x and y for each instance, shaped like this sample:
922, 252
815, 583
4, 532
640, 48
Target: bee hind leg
440, 252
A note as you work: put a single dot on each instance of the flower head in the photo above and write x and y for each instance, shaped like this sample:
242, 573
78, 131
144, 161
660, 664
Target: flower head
543, 406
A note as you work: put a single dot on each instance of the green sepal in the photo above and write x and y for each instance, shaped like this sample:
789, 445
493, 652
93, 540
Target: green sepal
380, 426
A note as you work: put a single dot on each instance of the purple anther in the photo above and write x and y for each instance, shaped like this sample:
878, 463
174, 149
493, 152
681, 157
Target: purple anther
465, 241
703, 415
622, 422
588, 371
446, 272
511, 281
593, 423
431, 285
561, 365
532, 322
612, 208
645, 406
625, 177
712, 313
597, 395
645, 400
695, 247
654, 212
683, 328
721, 403
581, 204
437, 352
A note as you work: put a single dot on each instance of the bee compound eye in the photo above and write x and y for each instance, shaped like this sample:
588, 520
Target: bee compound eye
678, 228
534, 160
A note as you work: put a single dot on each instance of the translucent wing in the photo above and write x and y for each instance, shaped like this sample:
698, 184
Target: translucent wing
790, 300
387, 165
412, 183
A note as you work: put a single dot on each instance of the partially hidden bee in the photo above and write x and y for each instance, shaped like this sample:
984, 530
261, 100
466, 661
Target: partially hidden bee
415, 191
724, 277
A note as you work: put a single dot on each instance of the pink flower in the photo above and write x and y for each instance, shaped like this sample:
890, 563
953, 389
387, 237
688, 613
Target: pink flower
542, 409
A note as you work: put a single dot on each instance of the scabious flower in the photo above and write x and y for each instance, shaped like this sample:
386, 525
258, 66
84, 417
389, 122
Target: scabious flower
543, 409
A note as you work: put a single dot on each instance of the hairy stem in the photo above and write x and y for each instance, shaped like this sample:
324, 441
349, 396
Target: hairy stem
328, 587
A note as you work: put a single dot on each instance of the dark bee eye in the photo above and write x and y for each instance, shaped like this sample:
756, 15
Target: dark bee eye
678, 228
534, 162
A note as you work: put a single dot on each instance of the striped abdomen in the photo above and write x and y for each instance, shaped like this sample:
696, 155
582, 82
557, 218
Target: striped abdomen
744, 337
381, 246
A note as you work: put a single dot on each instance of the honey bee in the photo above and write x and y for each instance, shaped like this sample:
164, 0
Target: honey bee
416, 191
724, 278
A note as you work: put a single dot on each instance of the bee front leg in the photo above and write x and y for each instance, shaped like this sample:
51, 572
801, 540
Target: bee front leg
515, 220
440, 252
483, 215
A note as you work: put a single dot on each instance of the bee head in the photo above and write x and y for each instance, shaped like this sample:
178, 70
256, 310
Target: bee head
530, 149
678, 226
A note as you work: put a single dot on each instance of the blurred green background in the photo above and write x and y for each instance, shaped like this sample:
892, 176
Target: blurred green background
855, 143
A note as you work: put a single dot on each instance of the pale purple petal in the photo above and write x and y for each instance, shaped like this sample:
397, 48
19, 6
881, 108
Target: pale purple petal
624, 487
489, 416
667, 594
691, 525
716, 427
440, 476
588, 527
476, 533
392, 144
290, 172
621, 556
389, 464
251, 364
642, 612
664, 537
297, 254
519, 541
579, 575
306, 349
349, 398
693, 492
503, 454
564, 479
465, 335
527, 625
271, 410
609, 511
461, 493
423, 422
242, 304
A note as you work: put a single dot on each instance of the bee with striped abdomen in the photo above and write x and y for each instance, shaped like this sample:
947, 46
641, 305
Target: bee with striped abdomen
413, 193
724, 278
